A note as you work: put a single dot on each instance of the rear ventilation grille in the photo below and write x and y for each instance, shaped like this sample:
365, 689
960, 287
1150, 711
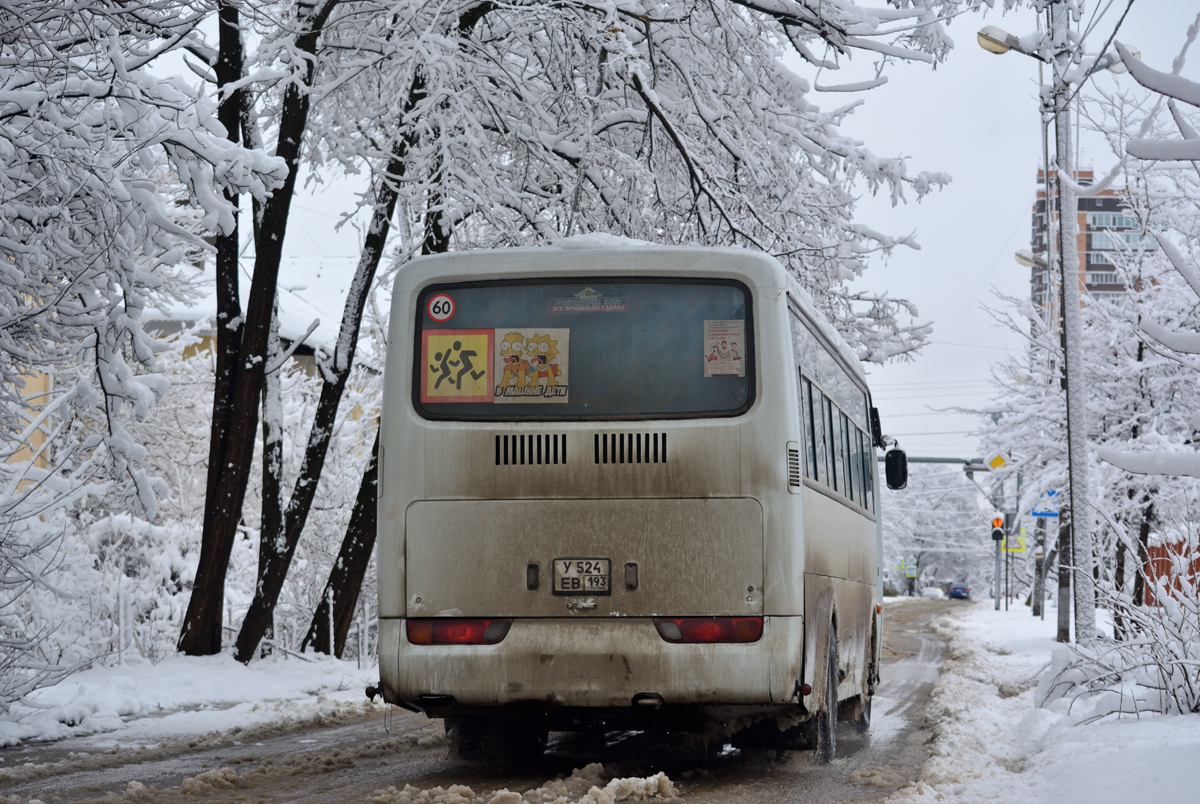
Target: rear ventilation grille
793, 466
631, 447
531, 450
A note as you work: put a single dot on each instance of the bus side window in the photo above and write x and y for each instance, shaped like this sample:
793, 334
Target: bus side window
837, 464
869, 472
819, 429
848, 473
860, 481
853, 448
806, 424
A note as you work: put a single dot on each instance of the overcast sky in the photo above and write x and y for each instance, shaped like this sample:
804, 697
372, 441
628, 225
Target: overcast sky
976, 118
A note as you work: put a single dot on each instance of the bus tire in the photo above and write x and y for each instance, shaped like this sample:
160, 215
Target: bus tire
862, 724
827, 720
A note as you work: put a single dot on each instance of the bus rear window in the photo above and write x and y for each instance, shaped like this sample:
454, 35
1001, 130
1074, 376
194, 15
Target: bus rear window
584, 349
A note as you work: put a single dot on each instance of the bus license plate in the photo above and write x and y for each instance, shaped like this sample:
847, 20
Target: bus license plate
582, 576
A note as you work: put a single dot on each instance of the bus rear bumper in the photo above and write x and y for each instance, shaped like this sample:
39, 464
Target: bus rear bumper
592, 662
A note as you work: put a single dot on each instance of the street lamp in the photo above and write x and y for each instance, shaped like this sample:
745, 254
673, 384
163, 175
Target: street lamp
1029, 259
999, 41
1055, 102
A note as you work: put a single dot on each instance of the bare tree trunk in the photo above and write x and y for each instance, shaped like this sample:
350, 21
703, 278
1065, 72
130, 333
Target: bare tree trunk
349, 568
271, 520
1039, 571
1139, 580
233, 443
279, 547
337, 371
1119, 588
1065, 562
274, 569
201, 632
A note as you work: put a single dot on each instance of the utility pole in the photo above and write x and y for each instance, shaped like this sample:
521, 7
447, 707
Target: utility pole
1007, 572
1056, 101
998, 538
1065, 561
1010, 524
1039, 577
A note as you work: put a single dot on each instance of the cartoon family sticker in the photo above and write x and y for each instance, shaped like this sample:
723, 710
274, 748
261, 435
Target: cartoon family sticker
527, 365
724, 347
532, 365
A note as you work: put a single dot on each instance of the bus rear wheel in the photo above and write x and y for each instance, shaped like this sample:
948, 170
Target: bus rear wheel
493, 739
827, 720
863, 724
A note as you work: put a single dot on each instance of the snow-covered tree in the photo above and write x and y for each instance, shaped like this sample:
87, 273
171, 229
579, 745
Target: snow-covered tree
96, 156
938, 526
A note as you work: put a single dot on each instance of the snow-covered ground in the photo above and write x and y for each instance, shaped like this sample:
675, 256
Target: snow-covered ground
993, 744
187, 697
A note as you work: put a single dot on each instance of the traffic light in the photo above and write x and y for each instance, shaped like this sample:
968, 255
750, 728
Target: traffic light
998, 529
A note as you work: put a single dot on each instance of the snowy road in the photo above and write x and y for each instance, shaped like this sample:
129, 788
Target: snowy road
361, 759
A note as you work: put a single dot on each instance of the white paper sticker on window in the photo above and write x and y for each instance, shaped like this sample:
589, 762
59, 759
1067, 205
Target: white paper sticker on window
532, 365
724, 348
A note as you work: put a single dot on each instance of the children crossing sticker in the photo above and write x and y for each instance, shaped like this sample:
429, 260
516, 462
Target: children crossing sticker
456, 365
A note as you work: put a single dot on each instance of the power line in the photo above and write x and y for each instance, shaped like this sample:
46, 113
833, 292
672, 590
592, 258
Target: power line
974, 346
931, 413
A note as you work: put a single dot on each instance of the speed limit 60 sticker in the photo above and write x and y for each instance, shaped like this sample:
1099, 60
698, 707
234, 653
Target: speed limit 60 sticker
440, 307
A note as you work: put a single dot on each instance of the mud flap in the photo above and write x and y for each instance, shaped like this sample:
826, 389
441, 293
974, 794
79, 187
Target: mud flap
815, 641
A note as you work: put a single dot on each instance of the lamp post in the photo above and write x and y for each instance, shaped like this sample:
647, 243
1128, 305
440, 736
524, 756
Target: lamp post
1058, 52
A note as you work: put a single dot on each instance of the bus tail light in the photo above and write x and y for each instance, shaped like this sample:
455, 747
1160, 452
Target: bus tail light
455, 631
709, 629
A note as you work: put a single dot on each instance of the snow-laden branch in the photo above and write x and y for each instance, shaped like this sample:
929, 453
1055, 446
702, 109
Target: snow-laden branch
1165, 150
1142, 463
1185, 342
279, 360
1179, 262
858, 86
1171, 84
1089, 190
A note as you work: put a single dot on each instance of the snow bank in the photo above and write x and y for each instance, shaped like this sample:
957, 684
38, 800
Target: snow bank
992, 744
184, 696
584, 786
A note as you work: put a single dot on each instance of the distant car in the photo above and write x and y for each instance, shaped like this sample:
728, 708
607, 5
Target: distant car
960, 591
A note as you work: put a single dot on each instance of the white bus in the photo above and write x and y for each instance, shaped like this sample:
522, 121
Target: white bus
625, 488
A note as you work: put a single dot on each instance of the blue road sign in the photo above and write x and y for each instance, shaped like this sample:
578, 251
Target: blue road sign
1048, 505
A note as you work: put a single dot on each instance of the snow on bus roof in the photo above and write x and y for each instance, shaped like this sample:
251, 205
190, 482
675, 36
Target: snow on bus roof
830, 331
602, 240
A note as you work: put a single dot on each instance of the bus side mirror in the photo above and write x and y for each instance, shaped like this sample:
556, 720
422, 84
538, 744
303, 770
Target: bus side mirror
876, 430
895, 466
